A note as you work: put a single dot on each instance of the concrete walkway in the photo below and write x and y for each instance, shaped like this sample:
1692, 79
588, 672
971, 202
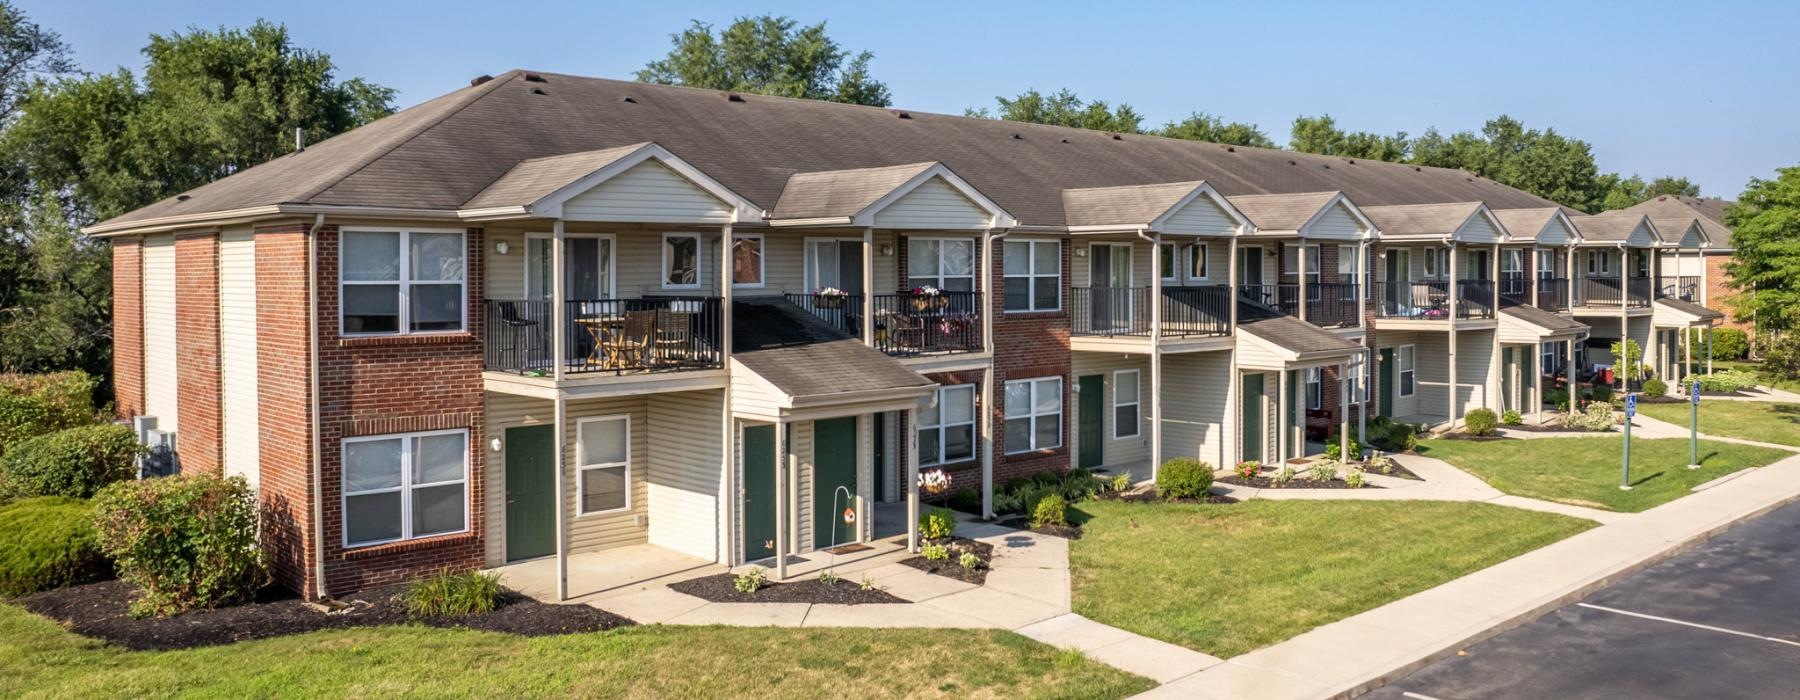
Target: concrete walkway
1358, 653
1438, 481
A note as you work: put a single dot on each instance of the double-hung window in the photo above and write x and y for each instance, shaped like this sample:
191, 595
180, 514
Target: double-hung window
945, 263
1033, 275
1548, 355
1166, 255
1126, 399
1315, 388
747, 260
1404, 358
603, 462
402, 487
1033, 414
1349, 271
681, 261
1546, 264
1599, 263
947, 429
401, 281
1197, 262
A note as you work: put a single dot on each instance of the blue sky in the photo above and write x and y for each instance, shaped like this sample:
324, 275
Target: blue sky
1710, 91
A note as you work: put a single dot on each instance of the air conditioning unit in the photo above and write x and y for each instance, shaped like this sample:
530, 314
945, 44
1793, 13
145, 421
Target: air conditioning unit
160, 458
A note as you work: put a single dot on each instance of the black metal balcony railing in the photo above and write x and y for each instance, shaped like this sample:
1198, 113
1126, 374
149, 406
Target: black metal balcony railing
1612, 292
1553, 293
1125, 311
1515, 288
605, 335
1685, 288
1430, 300
1331, 305
906, 324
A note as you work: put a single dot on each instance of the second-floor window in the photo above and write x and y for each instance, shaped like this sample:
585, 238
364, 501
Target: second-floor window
944, 263
746, 260
1166, 255
1513, 262
681, 260
1033, 275
947, 429
399, 282
1600, 263
1290, 263
1197, 262
1546, 264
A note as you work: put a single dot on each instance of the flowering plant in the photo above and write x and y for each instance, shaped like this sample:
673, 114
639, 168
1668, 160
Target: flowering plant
934, 482
1248, 469
926, 291
830, 292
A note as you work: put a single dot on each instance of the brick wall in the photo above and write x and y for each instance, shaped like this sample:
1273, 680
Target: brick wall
1717, 291
1029, 345
197, 350
283, 404
379, 385
128, 326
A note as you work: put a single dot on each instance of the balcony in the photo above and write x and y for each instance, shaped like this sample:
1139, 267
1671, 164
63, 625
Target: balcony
906, 325
1683, 288
1430, 300
1515, 288
1613, 292
1187, 312
605, 336
1553, 293
1327, 305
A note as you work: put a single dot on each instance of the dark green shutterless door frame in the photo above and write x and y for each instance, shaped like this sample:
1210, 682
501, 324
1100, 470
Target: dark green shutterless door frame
759, 492
1387, 382
1091, 430
1507, 385
1253, 441
834, 480
530, 492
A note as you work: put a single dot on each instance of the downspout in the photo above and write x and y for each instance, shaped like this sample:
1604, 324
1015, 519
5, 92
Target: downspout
986, 261
1624, 314
1455, 296
312, 352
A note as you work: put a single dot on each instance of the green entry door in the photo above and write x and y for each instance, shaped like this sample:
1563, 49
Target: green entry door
1508, 387
1253, 418
530, 492
834, 480
1387, 382
759, 492
1091, 430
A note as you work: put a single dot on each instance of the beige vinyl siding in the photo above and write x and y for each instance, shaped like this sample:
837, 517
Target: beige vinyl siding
1131, 451
1403, 405
1271, 247
237, 356
933, 205
1336, 223
1639, 328
640, 268
784, 264
1475, 381
751, 397
684, 474
1255, 352
1201, 216
648, 192
505, 273
1479, 230
1682, 264
800, 440
1196, 406
586, 533
888, 275
160, 382
1554, 234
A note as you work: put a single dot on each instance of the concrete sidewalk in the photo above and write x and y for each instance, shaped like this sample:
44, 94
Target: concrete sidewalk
1360, 653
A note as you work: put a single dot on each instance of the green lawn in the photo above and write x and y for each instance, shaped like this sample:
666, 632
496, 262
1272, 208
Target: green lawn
39, 659
1585, 471
1227, 579
1754, 368
1762, 421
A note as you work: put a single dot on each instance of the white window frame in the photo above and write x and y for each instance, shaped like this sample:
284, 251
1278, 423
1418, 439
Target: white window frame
1546, 356
1604, 266
1546, 264
1513, 258
974, 258
1314, 379
582, 466
699, 260
810, 274
1405, 363
942, 428
1030, 414
1360, 392
1198, 252
1032, 276
1136, 403
1174, 271
403, 281
1430, 263
762, 261
612, 262
405, 488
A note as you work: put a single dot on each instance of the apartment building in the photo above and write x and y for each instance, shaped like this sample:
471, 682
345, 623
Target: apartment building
548, 315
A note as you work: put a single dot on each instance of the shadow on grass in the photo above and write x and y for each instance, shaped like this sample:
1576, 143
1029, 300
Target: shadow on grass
1646, 478
1789, 412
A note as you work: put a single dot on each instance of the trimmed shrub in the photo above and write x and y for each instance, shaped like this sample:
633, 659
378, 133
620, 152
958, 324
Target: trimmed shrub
49, 543
1052, 509
1511, 417
35, 404
1655, 387
967, 500
1726, 380
1782, 359
1727, 344
1334, 451
1184, 477
76, 462
937, 524
185, 541
1480, 421
452, 593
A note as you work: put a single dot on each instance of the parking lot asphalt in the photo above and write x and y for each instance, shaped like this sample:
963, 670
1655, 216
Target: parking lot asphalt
1721, 620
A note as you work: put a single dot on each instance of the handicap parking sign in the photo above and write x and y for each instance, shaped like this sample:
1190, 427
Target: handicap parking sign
1694, 393
1631, 406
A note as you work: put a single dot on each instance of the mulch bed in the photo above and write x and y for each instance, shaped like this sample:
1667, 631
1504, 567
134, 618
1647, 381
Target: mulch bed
722, 588
1151, 497
1264, 482
1020, 522
1555, 429
950, 569
100, 610
1474, 438
1398, 471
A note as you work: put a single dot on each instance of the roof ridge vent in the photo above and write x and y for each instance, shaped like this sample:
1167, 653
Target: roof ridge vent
479, 79
1064, 140
1231, 149
1292, 163
1017, 137
1117, 137
535, 78
733, 97
901, 113
628, 98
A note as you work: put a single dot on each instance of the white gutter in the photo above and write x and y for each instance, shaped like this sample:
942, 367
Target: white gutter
312, 352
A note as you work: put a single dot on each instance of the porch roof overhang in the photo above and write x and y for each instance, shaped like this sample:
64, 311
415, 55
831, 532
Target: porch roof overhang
1541, 226
1462, 222
1190, 208
540, 187
1670, 312
1529, 324
791, 361
857, 197
1285, 342
1300, 215
1681, 234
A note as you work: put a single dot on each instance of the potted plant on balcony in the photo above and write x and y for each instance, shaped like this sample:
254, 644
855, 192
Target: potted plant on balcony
928, 297
829, 298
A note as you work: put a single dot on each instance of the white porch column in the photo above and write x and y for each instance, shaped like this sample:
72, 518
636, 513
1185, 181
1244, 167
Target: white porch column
1537, 381
1574, 390
559, 341
726, 551
1569, 276
1455, 304
560, 414
986, 442
1232, 443
1536, 274
1365, 364
1709, 347
1301, 287
1283, 416
1687, 353
1344, 411
1493, 399
912, 480
782, 456
868, 275
559, 306
1365, 284
1156, 359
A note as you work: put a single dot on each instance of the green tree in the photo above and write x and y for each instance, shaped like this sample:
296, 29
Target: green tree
27, 50
768, 55
1200, 126
1064, 108
1321, 135
1765, 271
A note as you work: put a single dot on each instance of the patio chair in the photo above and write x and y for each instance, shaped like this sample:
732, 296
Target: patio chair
673, 336
629, 347
516, 326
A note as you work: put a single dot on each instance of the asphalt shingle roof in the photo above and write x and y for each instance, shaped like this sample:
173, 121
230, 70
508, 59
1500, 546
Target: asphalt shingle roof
1281, 212
1543, 319
1709, 210
1421, 219
804, 356
835, 193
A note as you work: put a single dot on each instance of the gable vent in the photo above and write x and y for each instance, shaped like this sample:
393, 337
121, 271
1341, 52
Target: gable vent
535, 78
479, 79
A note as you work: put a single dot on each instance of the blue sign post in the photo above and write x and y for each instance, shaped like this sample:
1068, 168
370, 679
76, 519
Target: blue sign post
1694, 425
1625, 462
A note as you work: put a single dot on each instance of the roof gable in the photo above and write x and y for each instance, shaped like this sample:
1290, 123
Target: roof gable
1183, 208
1467, 222
640, 183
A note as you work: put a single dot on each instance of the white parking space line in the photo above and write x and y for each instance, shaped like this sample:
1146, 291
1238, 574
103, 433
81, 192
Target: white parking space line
1416, 696
1685, 623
